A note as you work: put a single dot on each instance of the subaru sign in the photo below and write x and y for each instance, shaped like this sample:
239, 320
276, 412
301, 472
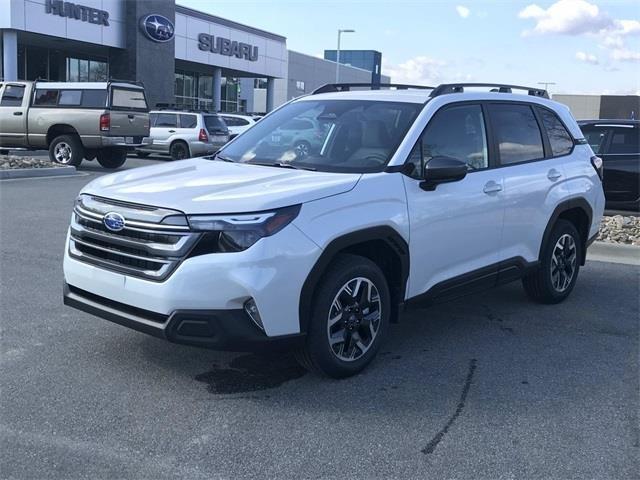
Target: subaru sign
113, 221
157, 27
225, 46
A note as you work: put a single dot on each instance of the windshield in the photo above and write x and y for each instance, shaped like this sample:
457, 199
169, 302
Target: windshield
328, 135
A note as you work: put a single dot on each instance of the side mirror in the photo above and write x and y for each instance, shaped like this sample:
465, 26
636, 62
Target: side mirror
442, 170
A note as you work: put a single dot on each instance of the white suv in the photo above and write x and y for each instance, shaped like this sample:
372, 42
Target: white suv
412, 195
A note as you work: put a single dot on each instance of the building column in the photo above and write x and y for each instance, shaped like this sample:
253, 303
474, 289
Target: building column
10, 55
217, 89
271, 87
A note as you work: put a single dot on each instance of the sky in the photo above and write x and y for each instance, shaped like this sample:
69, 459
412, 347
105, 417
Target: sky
583, 46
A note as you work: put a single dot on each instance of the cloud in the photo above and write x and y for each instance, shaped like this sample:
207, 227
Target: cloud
463, 11
569, 17
625, 55
587, 58
420, 70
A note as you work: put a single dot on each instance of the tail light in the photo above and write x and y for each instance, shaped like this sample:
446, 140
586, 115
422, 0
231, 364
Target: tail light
105, 122
598, 165
202, 136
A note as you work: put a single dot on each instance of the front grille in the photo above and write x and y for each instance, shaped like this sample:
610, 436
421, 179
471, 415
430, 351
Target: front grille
151, 245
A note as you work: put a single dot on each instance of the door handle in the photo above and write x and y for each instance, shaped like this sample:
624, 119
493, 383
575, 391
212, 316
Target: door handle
553, 175
172, 131
17, 114
492, 187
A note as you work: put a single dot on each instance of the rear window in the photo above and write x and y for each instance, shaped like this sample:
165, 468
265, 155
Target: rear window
46, 97
12, 96
595, 137
128, 99
188, 121
235, 121
213, 122
560, 140
70, 98
517, 132
625, 141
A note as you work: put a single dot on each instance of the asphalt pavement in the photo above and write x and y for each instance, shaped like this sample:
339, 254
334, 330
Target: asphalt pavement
489, 386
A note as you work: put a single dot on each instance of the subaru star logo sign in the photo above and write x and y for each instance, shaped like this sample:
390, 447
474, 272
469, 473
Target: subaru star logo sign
113, 221
157, 27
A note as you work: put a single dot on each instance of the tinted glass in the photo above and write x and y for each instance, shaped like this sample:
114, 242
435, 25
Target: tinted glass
46, 97
456, 132
166, 120
153, 118
517, 133
214, 123
188, 121
128, 99
625, 140
12, 96
235, 122
70, 97
595, 137
347, 135
560, 140
94, 98
298, 125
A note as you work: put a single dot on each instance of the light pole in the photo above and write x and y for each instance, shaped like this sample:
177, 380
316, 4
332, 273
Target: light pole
546, 85
340, 32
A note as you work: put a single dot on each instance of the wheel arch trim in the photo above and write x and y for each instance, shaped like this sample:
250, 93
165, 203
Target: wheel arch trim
571, 204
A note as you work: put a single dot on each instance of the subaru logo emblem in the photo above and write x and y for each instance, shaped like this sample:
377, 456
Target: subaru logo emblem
113, 221
157, 27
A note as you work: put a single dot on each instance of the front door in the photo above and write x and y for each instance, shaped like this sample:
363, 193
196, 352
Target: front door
13, 116
455, 229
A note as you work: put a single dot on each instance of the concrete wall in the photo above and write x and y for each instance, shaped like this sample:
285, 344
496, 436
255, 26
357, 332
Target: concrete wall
583, 107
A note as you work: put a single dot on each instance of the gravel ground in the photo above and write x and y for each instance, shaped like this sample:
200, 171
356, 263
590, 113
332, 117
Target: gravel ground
13, 161
620, 229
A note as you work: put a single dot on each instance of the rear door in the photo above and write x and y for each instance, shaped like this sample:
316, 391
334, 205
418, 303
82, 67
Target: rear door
620, 153
14, 103
129, 113
163, 129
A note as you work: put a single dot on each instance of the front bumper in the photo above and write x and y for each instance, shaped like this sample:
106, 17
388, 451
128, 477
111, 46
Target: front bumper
229, 330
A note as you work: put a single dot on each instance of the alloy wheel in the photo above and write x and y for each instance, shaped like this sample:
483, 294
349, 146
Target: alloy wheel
62, 152
354, 319
301, 150
563, 263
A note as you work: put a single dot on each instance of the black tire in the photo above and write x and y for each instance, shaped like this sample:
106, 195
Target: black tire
112, 158
142, 154
542, 285
302, 149
317, 354
179, 150
66, 150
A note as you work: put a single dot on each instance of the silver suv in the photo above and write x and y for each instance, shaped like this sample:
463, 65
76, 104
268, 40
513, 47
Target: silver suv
73, 121
185, 134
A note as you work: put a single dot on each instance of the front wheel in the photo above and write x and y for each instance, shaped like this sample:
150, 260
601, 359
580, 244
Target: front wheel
112, 158
349, 318
556, 276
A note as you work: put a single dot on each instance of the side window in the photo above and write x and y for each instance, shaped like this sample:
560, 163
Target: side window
625, 141
561, 141
12, 96
516, 132
167, 120
153, 118
46, 98
595, 137
456, 132
188, 121
70, 97
94, 98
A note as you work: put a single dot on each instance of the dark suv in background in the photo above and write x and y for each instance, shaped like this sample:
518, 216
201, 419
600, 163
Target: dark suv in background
617, 142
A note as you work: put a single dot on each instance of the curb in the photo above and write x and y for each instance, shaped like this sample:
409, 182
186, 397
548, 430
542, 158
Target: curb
614, 253
36, 172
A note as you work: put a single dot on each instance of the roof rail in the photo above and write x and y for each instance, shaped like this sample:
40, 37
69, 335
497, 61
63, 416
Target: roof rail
495, 87
345, 87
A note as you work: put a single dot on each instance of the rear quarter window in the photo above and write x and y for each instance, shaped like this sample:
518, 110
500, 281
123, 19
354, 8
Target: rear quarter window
70, 98
94, 98
128, 99
188, 121
560, 140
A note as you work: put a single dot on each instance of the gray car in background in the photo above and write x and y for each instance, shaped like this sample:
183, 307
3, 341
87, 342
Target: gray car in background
185, 134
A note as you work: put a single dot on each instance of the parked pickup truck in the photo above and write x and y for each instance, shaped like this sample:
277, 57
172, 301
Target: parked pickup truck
90, 120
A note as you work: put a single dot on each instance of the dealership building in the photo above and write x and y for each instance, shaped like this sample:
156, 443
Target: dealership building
183, 56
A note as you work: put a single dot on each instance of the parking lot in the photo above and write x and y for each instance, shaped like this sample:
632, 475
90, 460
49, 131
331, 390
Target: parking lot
488, 386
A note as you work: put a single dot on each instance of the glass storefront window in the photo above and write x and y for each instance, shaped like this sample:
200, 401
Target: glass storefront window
81, 70
195, 90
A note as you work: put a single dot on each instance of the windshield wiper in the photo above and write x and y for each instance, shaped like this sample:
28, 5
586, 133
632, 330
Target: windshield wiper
223, 158
283, 165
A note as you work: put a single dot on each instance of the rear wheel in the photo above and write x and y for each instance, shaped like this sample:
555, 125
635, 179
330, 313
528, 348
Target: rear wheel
179, 151
112, 158
349, 318
556, 276
66, 150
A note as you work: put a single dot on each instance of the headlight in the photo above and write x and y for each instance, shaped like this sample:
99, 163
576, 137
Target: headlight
239, 231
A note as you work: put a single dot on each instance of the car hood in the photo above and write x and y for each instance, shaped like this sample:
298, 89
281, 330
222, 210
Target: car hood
207, 186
